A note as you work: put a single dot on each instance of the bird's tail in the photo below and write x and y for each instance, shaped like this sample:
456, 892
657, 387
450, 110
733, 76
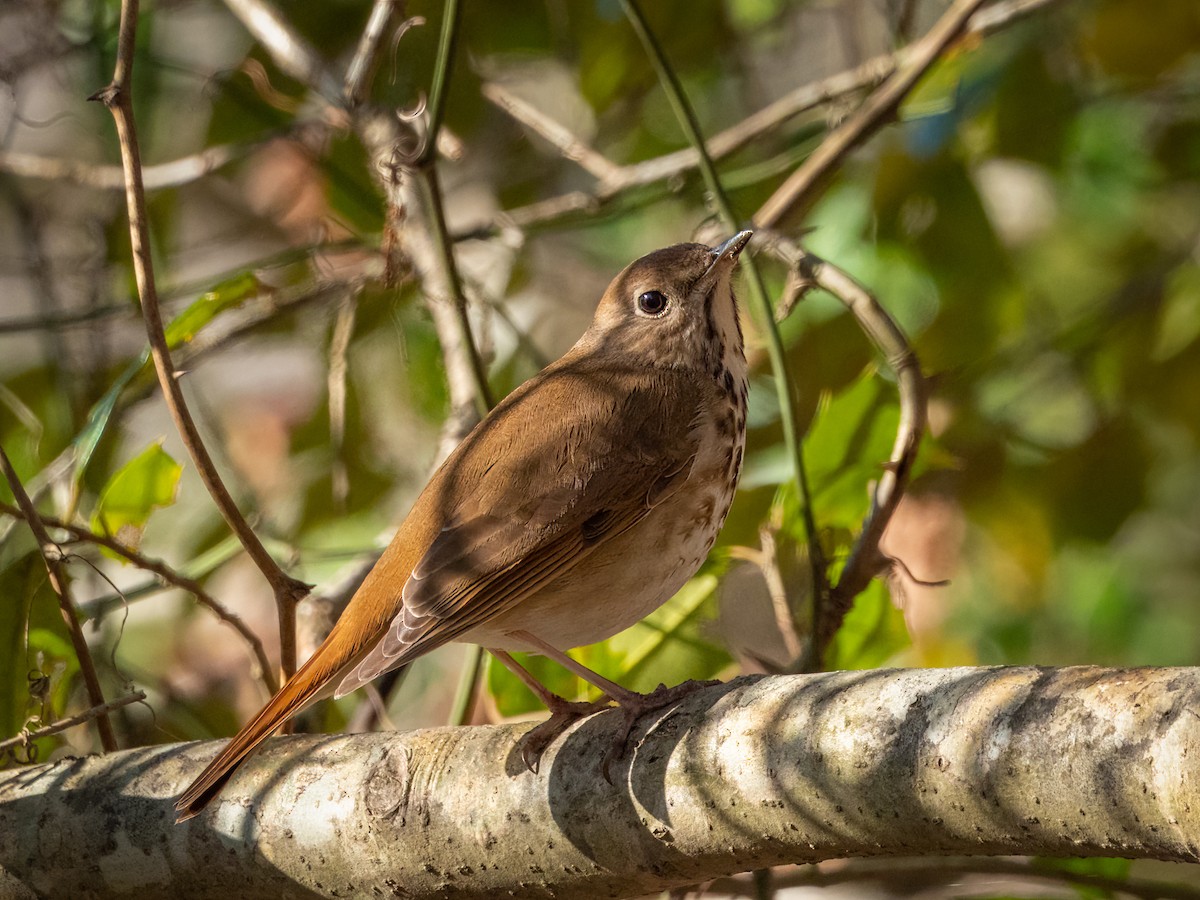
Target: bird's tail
314, 680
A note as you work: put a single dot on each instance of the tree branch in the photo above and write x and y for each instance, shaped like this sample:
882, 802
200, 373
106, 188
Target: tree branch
62, 587
175, 173
366, 55
169, 576
117, 98
724, 143
25, 738
1053, 762
287, 48
791, 198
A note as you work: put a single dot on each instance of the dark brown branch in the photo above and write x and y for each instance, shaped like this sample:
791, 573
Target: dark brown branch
288, 591
799, 190
58, 581
28, 737
168, 576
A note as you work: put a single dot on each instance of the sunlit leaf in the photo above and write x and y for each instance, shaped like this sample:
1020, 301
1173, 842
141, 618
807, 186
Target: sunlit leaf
148, 481
226, 295
182, 329
100, 414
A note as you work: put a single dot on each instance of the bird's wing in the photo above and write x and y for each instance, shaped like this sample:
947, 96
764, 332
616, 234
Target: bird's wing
505, 542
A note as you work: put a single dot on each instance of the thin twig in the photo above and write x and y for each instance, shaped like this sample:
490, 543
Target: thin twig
865, 560
117, 98
771, 117
440, 84
295, 56
366, 55
175, 173
169, 576
96, 712
562, 138
452, 291
58, 581
758, 293
339, 345
785, 618
427, 181
793, 196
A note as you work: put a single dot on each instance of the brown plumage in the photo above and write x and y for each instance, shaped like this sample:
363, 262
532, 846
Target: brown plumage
580, 504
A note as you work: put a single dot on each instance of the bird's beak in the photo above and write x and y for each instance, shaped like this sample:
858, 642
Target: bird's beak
731, 249
724, 257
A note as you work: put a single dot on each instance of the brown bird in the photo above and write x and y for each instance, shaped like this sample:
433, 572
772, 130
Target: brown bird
579, 505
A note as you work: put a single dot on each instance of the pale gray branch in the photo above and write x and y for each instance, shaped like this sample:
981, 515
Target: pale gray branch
175, 173
1053, 762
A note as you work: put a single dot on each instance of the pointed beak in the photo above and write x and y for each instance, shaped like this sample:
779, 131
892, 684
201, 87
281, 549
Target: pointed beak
724, 258
732, 247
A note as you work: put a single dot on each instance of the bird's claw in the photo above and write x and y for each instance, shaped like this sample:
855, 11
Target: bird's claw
563, 715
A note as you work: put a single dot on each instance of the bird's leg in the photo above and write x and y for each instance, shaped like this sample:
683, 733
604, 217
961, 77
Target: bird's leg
563, 712
632, 704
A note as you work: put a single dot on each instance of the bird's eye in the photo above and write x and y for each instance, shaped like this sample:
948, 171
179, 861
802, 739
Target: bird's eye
652, 303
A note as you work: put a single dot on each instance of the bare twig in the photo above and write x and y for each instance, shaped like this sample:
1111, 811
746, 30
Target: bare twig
175, 173
450, 290
58, 581
427, 181
366, 56
168, 576
287, 48
563, 139
796, 102
792, 197
117, 98
96, 712
339, 345
440, 84
865, 560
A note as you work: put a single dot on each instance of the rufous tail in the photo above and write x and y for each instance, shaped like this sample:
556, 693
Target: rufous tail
314, 679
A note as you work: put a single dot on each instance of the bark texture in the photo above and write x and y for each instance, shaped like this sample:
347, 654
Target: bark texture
1078, 761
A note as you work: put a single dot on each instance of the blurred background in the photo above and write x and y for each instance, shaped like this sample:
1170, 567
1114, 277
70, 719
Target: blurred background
1032, 220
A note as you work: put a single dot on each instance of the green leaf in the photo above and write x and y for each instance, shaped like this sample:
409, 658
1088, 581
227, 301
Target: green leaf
182, 329
226, 295
100, 414
20, 581
872, 633
148, 481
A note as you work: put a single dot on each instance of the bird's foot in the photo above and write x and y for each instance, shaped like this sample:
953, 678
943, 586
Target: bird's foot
563, 714
633, 705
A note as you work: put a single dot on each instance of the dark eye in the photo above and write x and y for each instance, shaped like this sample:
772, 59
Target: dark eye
652, 303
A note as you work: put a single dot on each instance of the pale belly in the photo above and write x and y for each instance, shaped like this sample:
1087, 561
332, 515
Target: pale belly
622, 581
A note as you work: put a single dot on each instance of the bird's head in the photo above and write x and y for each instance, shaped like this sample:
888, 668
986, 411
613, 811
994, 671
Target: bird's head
675, 307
